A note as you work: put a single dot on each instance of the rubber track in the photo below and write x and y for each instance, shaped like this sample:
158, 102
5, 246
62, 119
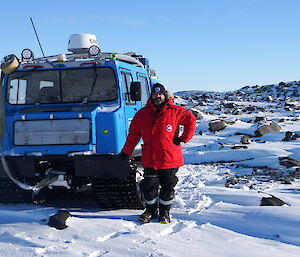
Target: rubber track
118, 193
11, 193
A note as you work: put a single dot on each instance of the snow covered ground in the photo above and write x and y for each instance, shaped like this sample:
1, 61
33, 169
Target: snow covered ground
209, 219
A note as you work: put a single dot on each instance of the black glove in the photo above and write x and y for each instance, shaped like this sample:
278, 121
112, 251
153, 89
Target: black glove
177, 140
122, 156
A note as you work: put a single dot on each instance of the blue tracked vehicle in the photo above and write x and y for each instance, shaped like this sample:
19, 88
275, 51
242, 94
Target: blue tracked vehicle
66, 117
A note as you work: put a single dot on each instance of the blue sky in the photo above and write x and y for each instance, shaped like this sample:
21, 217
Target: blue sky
217, 45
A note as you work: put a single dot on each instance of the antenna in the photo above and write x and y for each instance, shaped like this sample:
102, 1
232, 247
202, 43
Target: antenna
37, 36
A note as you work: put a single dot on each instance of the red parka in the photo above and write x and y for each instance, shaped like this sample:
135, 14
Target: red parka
158, 129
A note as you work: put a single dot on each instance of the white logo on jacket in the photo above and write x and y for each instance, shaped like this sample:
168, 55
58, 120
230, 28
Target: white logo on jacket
169, 128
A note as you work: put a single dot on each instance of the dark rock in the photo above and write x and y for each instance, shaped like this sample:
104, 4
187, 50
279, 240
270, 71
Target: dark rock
258, 118
197, 113
271, 201
231, 181
288, 162
281, 84
237, 112
251, 108
239, 147
217, 125
287, 181
295, 173
269, 98
267, 128
289, 135
245, 140
231, 122
229, 105
58, 220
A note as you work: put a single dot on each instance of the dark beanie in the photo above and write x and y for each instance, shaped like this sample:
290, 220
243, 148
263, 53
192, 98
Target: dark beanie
158, 88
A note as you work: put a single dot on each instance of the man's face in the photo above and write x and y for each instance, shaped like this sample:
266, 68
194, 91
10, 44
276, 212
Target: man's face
158, 98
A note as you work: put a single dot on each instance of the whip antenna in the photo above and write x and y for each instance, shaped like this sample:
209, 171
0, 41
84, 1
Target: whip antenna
37, 37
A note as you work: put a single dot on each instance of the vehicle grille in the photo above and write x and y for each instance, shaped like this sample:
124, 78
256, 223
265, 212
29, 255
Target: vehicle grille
52, 132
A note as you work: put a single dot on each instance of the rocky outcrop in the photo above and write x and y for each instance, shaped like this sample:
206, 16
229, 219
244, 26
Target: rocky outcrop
267, 128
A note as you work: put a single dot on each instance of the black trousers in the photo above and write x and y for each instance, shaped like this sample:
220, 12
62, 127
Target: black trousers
159, 183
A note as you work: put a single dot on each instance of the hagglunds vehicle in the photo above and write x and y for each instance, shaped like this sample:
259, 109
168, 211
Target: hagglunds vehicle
64, 119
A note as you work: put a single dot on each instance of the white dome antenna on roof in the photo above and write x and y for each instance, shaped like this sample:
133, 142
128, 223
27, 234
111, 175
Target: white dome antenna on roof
80, 43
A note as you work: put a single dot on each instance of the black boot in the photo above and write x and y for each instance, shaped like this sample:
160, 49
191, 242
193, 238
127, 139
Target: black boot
164, 214
149, 214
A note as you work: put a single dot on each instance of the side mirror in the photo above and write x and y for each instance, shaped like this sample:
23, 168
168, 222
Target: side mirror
135, 91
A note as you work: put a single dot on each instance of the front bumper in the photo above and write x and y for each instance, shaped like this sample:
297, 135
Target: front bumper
98, 166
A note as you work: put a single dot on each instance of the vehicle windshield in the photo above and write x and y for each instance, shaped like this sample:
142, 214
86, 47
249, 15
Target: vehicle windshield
79, 85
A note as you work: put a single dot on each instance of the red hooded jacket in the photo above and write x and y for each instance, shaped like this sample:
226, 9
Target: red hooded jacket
158, 131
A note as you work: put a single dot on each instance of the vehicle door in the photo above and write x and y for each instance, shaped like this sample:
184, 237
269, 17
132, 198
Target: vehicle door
144, 88
130, 107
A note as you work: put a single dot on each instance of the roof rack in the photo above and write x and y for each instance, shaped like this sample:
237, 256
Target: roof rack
130, 58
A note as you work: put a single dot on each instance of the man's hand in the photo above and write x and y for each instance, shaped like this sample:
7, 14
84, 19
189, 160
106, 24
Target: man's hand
177, 140
123, 156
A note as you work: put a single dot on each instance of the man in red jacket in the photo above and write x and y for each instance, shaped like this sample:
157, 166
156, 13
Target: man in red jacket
158, 125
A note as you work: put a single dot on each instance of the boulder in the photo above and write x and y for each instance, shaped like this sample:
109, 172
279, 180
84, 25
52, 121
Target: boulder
289, 162
271, 201
58, 220
267, 128
198, 114
217, 125
289, 135
245, 139
231, 181
259, 118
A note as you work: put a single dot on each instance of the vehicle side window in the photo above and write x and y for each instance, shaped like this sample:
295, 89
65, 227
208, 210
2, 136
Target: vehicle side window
126, 81
144, 89
17, 91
